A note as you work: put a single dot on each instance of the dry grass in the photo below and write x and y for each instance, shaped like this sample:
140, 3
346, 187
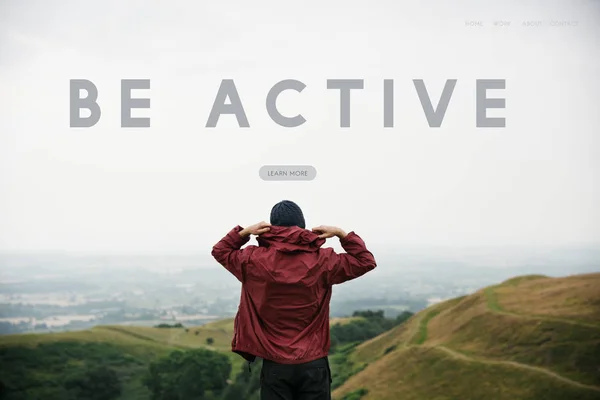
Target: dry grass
179, 337
523, 278
223, 324
454, 319
343, 320
530, 337
374, 348
576, 298
419, 373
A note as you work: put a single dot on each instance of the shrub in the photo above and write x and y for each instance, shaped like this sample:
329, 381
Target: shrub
356, 395
177, 325
389, 349
193, 374
94, 383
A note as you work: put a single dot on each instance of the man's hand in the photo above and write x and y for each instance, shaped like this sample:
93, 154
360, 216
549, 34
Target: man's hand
256, 229
326, 232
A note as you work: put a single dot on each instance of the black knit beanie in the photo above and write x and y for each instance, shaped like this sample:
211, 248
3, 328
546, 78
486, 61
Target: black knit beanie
287, 213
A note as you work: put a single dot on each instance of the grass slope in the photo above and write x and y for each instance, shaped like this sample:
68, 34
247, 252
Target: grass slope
530, 337
139, 344
142, 344
148, 340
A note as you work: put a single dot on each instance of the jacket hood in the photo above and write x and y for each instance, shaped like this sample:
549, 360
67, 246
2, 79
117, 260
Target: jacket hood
290, 239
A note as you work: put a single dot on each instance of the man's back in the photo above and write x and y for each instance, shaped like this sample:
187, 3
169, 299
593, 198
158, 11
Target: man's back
286, 289
283, 316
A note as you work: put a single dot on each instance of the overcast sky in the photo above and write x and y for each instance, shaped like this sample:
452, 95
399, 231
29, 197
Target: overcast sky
178, 187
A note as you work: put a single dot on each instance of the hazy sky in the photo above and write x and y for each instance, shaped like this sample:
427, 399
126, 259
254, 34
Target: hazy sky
179, 186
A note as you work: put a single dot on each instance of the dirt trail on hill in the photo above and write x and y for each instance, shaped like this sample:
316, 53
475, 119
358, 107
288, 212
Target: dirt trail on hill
414, 329
455, 354
554, 375
493, 305
419, 323
546, 318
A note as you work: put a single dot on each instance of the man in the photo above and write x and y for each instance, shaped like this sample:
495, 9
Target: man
283, 316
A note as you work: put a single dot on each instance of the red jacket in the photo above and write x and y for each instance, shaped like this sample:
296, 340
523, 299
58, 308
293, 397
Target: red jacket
283, 314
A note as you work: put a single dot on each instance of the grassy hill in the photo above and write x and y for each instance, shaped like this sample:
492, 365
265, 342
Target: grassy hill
128, 349
136, 346
531, 337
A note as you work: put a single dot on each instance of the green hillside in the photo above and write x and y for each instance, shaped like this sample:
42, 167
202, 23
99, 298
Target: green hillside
530, 337
127, 349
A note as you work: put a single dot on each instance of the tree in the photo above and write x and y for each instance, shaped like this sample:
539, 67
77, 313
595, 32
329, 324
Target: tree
246, 385
369, 324
163, 325
194, 374
210, 341
94, 383
334, 340
369, 314
405, 315
234, 392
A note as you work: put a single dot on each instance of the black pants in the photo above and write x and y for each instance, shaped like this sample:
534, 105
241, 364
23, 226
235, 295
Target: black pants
307, 381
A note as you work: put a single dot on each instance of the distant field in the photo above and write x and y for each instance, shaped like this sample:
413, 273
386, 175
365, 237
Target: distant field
342, 320
530, 337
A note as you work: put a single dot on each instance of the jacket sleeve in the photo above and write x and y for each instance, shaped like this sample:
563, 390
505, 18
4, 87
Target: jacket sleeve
229, 253
356, 262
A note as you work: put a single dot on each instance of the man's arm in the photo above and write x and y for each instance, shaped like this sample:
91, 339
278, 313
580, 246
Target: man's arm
229, 253
357, 260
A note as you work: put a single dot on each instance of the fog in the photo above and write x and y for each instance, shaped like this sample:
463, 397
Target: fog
178, 186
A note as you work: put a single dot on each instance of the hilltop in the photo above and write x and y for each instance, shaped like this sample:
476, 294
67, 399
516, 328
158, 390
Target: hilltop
531, 337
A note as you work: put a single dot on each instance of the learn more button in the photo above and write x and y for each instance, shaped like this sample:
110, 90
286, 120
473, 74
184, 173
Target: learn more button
287, 173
